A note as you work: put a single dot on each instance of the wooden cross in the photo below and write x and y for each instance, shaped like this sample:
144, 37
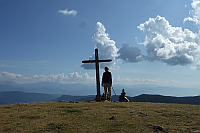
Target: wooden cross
97, 71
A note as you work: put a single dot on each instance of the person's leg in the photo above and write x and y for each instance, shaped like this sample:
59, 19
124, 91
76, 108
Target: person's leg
109, 90
105, 90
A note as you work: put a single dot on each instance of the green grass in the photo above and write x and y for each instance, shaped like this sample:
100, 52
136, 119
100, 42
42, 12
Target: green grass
73, 111
99, 117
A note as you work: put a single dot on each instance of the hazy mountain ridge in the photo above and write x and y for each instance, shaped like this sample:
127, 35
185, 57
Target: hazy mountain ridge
166, 99
12, 97
141, 98
48, 88
10, 93
23, 97
75, 98
83, 89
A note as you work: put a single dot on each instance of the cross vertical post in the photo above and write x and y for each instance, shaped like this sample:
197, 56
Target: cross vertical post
97, 75
96, 61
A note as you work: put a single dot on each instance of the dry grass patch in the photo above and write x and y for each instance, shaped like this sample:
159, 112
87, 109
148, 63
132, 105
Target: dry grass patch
99, 117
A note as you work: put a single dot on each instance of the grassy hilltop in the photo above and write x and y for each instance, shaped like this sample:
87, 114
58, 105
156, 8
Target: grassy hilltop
99, 117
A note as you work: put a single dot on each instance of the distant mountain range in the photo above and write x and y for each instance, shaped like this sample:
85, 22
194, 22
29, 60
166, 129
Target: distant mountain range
48, 88
11, 93
166, 99
83, 89
75, 98
23, 97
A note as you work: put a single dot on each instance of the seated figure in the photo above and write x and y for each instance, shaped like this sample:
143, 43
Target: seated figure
122, 97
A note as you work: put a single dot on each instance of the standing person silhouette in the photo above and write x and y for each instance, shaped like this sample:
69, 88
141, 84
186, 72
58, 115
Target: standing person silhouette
107, 83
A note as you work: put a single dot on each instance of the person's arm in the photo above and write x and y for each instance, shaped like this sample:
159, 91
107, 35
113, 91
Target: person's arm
102, 81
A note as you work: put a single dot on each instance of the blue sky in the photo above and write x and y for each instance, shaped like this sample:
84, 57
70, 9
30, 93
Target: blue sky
150, 42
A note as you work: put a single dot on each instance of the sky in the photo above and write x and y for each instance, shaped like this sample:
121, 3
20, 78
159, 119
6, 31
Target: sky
153, 42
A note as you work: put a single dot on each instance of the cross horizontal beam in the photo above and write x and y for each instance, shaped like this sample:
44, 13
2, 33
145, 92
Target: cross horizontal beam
91, 61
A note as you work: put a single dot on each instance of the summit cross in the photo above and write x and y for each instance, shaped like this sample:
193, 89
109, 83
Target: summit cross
96, 61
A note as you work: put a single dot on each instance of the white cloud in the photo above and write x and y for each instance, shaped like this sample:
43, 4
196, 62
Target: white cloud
74, 77
128, 81
66, 12
163, 42
106, 47
195, 14
6, 76
196, 66
168, 44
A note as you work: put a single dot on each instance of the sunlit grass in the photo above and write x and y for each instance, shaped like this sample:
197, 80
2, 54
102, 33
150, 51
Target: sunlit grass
99, 117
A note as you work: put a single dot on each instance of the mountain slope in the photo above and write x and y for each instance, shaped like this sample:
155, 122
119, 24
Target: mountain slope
141, 98
75, 98
11, 97
166, 99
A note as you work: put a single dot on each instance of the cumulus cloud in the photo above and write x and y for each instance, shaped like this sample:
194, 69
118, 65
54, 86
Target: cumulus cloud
119, 80
6, 76
130, 54
196, 66
106, 48
74, 77
168, 44
66, 12
195, 14
163, 42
